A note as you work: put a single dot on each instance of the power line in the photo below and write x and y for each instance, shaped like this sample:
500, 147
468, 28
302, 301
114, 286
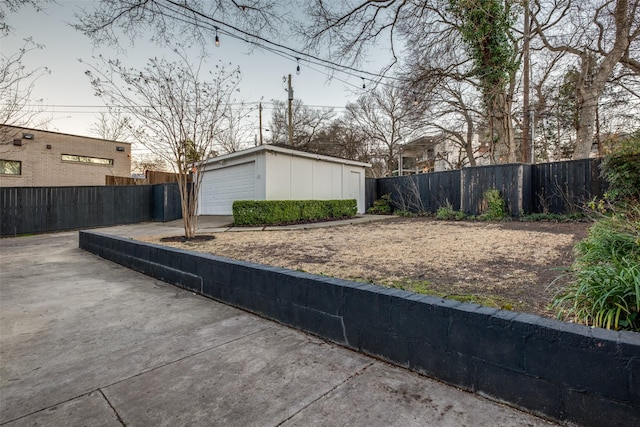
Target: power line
295, 54
253, 104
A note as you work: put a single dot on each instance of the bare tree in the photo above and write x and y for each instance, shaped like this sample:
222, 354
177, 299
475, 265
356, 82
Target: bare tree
17, 107
113, 126
486, 27
236, 131
446, 39
454, 109
177, 114
385, 119
307, 123
14, 6
170, 21
601, 35
148, 162
341, 139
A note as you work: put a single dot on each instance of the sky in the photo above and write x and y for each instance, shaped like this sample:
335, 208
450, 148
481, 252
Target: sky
69, 99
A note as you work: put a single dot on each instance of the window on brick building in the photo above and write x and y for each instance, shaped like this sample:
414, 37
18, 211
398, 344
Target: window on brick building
86, 159
10, 167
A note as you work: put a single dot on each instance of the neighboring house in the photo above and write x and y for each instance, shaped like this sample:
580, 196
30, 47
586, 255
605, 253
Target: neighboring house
272, 172
38, 158
450, 155
438, 153
418, 156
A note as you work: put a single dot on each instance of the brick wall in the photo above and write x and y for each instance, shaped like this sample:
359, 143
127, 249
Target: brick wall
561, 371
42, 163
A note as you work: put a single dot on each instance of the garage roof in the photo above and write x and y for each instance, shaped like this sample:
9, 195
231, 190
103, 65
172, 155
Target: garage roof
284, 150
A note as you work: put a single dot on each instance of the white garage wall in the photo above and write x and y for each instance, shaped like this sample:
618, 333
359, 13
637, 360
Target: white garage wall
296, 178
278, 174
322, 181
336, 180
302, 181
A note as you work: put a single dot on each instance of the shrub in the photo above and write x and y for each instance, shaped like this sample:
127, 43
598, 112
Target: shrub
621, 169
280, 212
406, 214
494, 205
447, 212
382, 206
606, 289
575, 217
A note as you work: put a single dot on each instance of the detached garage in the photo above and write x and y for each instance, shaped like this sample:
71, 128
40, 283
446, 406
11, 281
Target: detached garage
272, 172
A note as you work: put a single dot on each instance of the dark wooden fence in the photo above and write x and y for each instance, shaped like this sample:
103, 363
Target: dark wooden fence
513, 182
560, 187
166, 203
45, 209
370, 192
563, 187
423, 192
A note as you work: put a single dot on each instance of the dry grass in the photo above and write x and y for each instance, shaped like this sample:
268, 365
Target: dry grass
508, 265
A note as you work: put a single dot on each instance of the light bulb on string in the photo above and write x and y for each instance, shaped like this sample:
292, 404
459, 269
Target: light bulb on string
217, 39
363, 85
298, 67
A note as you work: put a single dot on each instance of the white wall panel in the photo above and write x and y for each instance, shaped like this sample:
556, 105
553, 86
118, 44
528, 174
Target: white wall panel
278, 176
321, 181
301, 178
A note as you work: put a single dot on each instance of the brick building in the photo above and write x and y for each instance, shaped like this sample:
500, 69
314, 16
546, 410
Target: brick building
38, 158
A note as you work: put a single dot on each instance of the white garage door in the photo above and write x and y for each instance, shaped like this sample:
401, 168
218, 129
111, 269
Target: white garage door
221, 187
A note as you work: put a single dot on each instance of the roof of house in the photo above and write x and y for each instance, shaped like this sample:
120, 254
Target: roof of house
425, 141
284, 150
31, 130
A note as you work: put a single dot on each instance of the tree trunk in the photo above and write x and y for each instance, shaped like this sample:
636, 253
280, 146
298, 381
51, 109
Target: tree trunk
593, 78
587, 104
188, 201
500, 122
468, 146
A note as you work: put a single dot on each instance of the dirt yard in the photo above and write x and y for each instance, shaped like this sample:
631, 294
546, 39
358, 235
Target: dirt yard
509, 265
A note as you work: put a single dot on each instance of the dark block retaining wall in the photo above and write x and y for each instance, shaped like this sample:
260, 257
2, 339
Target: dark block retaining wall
562, 371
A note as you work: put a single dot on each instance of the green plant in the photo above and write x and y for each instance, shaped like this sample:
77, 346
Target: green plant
406, 214
606, 289
495, 207
447, 212
280, 212
553, 217
424, 287
381, 206
621, 169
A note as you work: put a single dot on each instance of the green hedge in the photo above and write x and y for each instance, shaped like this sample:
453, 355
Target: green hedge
281, 212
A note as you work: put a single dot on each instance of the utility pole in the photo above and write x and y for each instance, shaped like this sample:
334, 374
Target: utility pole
260, 116
290, 112
526, 122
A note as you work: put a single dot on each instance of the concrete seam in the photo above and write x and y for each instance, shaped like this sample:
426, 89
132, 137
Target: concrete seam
48, 407
323, 395
112, 407
188, 356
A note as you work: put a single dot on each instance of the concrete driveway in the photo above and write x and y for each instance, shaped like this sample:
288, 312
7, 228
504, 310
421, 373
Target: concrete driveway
85, 342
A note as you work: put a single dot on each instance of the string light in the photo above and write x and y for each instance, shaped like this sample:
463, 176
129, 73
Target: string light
263, 43
258, 41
